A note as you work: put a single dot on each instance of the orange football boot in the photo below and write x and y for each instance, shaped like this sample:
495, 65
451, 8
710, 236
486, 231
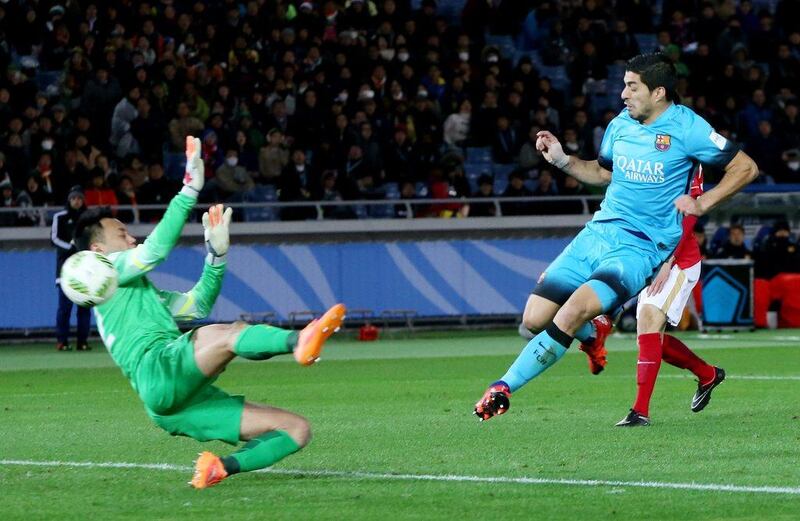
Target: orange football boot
314, 335
208, 471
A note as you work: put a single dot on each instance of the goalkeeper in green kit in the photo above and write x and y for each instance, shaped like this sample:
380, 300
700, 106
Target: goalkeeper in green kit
173, 372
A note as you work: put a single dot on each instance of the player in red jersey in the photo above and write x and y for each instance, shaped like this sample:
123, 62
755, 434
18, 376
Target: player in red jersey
662, 301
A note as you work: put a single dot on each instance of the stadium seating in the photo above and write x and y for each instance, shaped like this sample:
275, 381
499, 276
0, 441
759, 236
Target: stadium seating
647, 42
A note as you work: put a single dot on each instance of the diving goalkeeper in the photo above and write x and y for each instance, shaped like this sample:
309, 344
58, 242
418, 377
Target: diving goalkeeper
173, 372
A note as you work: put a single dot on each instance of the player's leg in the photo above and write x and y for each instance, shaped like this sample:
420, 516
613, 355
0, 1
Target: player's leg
649, 329
271, 434
678, 354
62, 320
84, 320
216, 345
592, 334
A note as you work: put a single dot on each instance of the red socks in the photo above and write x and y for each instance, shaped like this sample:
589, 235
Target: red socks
676, 353
647, 370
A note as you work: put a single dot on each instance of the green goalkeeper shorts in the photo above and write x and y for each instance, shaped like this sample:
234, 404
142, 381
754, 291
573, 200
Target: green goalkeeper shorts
180, 399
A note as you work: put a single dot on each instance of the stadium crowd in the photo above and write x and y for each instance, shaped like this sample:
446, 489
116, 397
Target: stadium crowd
365, 99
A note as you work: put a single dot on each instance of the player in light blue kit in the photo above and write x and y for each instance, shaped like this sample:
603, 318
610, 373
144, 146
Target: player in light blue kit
647, 157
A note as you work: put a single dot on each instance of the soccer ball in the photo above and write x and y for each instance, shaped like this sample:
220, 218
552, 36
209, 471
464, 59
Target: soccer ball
88, 278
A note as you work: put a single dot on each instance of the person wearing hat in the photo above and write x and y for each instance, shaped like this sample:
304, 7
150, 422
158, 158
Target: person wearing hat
61, 236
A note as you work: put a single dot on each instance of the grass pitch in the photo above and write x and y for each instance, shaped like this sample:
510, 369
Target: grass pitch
394, 437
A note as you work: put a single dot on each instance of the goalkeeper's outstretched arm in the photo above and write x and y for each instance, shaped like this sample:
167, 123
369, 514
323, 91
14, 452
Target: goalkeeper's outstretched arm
156, 247
198, 302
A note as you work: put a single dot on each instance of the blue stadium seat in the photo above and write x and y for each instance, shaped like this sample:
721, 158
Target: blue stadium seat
557, 74
719, 238
479, 155
44, 79
174, 164
500, 186
647, 42
760, 240
422, 189
503, 171
503, 42
392, 190
383, 211
260, 194
475, 170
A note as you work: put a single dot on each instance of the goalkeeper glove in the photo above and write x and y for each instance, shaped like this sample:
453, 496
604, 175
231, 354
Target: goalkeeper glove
194, 178
216, 226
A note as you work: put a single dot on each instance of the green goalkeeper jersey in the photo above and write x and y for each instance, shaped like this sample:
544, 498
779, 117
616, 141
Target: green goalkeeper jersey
140, 316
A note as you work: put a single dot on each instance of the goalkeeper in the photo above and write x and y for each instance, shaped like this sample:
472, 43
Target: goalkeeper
173, 372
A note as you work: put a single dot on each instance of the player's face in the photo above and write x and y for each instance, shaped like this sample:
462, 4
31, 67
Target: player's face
637, 97
115, 237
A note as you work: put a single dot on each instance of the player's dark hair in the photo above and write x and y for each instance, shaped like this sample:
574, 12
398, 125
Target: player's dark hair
88, 227
655, 70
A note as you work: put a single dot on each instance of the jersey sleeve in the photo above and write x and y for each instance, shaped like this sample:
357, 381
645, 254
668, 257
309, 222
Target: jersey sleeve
706, 146
605, 158
197, 302
134, 263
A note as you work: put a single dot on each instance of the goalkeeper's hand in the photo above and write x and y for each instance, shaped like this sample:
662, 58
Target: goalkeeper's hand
551, 149
216, 227
195, 175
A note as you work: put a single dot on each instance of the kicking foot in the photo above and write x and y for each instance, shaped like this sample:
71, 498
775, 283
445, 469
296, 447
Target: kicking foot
314, 335
634, 419
208, 471
495, 401
703, 394
596, 349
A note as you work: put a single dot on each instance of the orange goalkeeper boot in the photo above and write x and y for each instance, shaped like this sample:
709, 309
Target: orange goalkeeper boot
208, 471
314, 335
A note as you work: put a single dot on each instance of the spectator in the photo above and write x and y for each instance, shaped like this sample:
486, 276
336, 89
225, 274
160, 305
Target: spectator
184, 124
575, 188
157, 190
505, 143
516, 188
407, 192
233, 180
700, 236
9, 199
457, 125
734, 247
529, 157
780, 253
125, 112
126, 196
85, 152
295, 185
61, 236
398, 156
273, 157
99, 194
485, 190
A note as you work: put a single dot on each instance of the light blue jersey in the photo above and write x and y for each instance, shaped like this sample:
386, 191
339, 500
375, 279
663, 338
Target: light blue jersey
652, 165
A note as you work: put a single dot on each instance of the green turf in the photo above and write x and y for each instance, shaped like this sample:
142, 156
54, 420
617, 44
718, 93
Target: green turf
403, 406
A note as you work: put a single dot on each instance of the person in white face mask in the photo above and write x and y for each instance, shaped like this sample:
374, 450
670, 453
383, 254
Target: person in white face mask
232, 178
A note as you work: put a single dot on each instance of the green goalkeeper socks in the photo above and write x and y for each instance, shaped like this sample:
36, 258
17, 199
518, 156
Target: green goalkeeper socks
260, 342
260, 452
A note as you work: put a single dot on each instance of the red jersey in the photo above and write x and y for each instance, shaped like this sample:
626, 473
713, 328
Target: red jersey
687, 253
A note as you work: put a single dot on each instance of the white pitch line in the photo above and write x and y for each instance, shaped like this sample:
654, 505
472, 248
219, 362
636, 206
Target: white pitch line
380, 476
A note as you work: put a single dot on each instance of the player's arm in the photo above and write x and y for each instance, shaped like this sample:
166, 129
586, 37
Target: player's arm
197, 302
739, 172
708, 147
589, 172
154, 250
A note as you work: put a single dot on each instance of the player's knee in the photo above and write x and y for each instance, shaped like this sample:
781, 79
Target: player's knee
533, 322
650, 319
300, 431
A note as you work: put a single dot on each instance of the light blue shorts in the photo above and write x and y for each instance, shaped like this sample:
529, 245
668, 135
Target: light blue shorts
615, 261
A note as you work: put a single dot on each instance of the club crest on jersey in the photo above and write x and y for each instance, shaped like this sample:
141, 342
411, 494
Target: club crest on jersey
663, 142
